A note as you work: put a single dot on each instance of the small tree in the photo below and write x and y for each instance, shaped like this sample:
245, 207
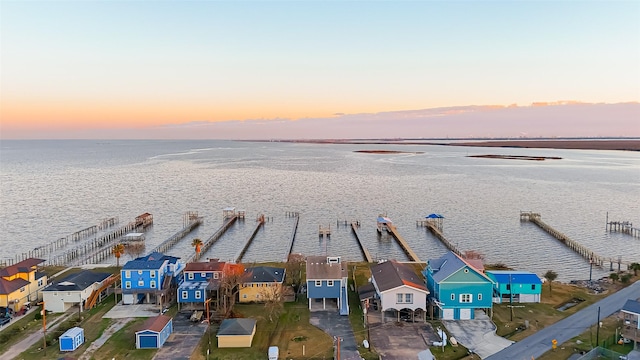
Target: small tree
550, 276
635, 267
197, 243
232, 278
294, 266
117, 250
273, 298
614, 277
625, 278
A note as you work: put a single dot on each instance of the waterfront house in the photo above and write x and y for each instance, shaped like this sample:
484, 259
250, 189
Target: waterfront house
201, 281
73, 290
21, 283
154, 332
400, 291
71, 339
515, 286
150, 279
456, 288
236, 333
327, 281
630, 314
261, 283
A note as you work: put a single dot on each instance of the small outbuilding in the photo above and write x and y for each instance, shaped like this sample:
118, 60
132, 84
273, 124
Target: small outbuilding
154, 332
236, 333
71, 339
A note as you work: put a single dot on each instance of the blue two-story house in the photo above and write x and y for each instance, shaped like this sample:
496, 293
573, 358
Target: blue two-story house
148, 279
201, 282
457, 288
327, 282
515, 286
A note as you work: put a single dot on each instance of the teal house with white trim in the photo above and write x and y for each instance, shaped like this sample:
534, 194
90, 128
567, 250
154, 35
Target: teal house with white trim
515, 286
457, 288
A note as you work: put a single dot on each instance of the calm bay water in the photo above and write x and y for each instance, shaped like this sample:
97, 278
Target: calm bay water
50, 189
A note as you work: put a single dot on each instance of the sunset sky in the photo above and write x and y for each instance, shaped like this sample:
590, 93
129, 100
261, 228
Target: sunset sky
89, 68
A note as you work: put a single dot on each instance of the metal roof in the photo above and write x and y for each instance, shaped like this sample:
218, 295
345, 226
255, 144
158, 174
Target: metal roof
632, 306
514, 277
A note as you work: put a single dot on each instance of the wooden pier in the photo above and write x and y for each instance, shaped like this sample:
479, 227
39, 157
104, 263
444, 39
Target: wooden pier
571, 244
324, 231
385, 224
623, 227
207, 244
292, 238
260, 222
354, 228
435, 226
97, 249
191, 221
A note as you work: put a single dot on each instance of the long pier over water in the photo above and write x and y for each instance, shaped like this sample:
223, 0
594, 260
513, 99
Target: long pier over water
571, 244
292, 238
260, 223
386, 224
230, 218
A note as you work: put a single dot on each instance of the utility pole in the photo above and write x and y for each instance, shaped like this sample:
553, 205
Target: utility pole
44, 326
598, 328
510, 297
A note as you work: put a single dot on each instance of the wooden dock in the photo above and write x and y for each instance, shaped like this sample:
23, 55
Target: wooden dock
292, 238
260, 222
354, 228
403, 244
571, 244
436, 230
94, 250
191, 221
623, 227
207, 244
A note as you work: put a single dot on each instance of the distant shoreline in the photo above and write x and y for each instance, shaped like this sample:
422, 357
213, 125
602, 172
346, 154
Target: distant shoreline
574, 144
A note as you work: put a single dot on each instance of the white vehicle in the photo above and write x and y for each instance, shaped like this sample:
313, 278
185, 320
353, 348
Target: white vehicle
273, 353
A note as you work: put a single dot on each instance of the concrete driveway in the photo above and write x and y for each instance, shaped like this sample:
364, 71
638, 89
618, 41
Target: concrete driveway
399, 340
478, 335
335, 325
183, 341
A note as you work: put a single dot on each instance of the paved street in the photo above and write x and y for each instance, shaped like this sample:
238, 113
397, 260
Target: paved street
565, 329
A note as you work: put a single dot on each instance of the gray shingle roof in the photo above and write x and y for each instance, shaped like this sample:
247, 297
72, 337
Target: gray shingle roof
632, 306
264, 274
78, 281
237, 326
391, 274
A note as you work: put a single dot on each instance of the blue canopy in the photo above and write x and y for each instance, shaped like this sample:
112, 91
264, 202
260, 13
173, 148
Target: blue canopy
434, 216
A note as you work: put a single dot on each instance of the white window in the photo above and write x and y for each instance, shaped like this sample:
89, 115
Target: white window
153, 274
140, 282
216, 275
198, 295
204, 275
23, 289
127, 274
408, 298
127, 285
152, 284
479, 297
244, 296
465, 298
399, 299
139, 272
318, 283
185, 294
55, 294
330, 283
453, 296
190, 276
40, 283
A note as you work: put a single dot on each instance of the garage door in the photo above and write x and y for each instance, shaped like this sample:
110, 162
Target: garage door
148, 341
465, 314
447, 314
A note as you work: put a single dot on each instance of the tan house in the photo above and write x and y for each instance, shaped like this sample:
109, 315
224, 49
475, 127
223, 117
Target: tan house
236, 333
262, 283
21, 283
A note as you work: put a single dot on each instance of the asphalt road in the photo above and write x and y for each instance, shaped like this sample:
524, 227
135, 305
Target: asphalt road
567, 328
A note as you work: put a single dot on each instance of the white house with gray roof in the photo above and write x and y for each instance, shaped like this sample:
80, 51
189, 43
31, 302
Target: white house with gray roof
72, 290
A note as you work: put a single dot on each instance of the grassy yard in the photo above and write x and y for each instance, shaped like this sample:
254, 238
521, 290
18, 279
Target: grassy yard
19, 329
292, 333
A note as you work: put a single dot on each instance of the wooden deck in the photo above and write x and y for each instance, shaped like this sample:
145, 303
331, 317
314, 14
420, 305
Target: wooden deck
365, 252
403, 244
